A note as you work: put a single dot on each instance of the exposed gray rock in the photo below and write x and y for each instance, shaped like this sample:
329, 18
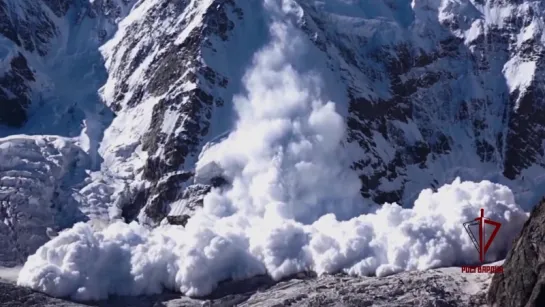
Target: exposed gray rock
31, 32
36, 193
12, 296
523, 281
442, 287
188, 201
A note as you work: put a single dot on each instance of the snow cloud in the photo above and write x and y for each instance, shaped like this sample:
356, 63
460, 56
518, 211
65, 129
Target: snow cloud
129, 259
293, 204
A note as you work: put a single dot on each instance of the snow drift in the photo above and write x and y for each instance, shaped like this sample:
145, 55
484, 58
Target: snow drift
292, 204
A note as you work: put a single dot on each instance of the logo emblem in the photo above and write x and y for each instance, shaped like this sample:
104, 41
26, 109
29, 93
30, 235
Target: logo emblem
481, 244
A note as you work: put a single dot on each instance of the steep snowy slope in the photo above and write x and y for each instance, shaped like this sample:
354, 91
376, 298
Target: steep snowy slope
437, 89
431, 90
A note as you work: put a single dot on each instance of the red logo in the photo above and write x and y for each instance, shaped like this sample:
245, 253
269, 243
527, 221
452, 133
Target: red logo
480, 244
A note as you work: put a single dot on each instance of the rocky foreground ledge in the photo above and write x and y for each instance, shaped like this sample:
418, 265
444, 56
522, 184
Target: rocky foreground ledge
446, 287
523, 282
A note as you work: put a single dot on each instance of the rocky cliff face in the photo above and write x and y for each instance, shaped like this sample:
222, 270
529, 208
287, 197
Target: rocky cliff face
522, 283
430, 89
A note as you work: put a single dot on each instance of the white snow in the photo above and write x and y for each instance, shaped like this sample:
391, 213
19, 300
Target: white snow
132, 260
519, 74
293, 204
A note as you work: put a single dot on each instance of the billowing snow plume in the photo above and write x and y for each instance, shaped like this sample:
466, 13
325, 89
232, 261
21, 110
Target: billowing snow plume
131, 260
284, 158
291, 205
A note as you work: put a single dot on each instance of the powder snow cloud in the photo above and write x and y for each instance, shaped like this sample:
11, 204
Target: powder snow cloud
292, 205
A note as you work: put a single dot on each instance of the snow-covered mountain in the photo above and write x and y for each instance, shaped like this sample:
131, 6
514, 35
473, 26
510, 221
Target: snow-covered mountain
430, 90
138, 109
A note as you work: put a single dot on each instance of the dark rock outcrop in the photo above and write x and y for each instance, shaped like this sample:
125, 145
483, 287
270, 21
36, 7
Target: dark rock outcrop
178, 219
523, 281
171, 189
15, 92
13, 296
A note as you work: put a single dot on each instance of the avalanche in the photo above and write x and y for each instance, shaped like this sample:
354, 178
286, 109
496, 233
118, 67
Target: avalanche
128, 259
292, 205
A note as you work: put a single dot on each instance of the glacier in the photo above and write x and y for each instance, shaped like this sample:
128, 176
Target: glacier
47, 156
319, 117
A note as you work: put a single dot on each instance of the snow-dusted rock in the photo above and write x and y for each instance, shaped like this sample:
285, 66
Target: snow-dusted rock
14, 90
431, 90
